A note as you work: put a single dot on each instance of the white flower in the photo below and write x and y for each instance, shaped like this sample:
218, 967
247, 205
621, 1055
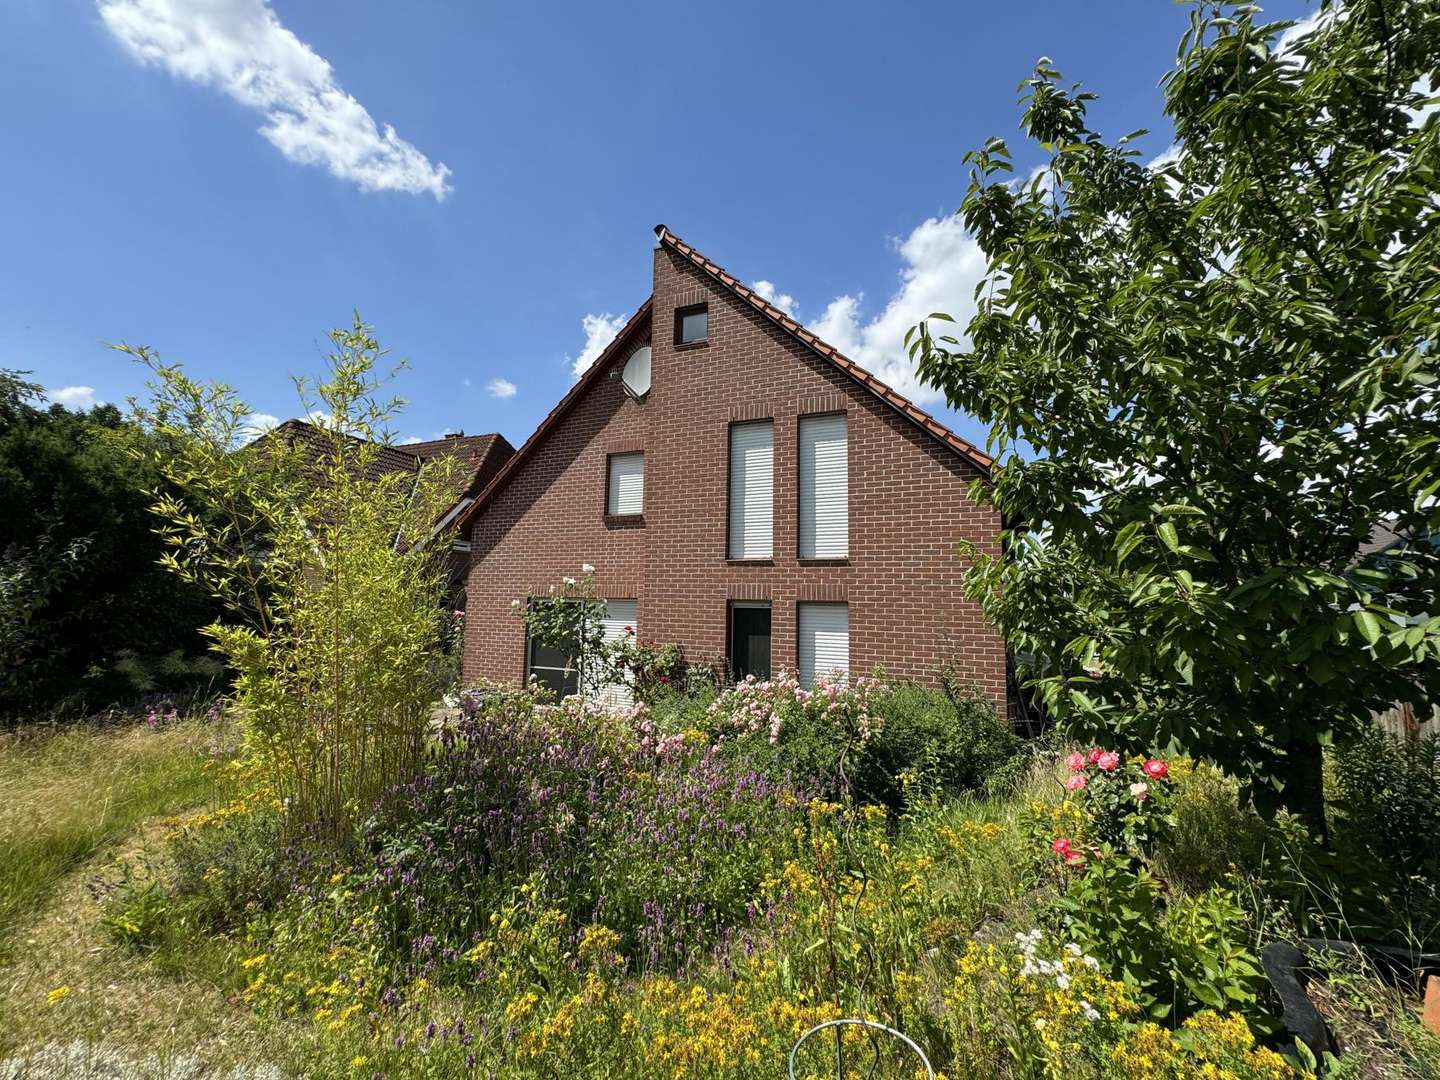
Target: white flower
1089, 1011
515, 605
1039, 1024
569, 581
586, 568
1062, 981
1072, 949
1091, 963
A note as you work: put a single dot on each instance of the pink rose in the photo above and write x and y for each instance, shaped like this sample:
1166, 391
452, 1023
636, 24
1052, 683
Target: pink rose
1094, 756
1156, 769
1074, 782
1075, 762
1141, 791
1074, 858
1061, 845
1109, 761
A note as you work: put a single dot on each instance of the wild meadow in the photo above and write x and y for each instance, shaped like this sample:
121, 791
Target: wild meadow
669, 890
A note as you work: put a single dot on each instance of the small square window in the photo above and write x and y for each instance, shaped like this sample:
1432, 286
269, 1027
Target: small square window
692, 324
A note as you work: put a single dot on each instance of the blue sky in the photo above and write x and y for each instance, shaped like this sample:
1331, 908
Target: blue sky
214, 177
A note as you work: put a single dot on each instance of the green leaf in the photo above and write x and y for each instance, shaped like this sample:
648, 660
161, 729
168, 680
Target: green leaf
1369, 626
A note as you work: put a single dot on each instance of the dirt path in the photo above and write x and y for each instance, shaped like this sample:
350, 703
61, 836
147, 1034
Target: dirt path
149, 1022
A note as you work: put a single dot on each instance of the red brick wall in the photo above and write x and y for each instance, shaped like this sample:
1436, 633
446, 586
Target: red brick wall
909, 508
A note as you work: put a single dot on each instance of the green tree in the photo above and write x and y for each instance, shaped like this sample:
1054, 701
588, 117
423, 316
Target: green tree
326, 566
87, 615
1224, 364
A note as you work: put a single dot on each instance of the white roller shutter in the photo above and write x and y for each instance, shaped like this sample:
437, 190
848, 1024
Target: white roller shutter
627, 484
824, 640
824, 487
618, 615
752, 490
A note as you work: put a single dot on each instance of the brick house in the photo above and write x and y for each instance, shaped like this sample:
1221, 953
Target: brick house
743, 490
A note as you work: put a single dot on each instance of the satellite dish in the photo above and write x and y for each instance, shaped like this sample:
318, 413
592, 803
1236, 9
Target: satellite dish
636, 377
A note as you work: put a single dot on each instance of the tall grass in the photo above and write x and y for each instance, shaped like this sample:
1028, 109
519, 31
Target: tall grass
67, 792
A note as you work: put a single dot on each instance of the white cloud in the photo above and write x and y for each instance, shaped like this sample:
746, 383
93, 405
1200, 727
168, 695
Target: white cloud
500, 388
942, 267
241, 48
784, 301
409, 440
256, 424
600, 330
1168, 156
78, 398
1306, 26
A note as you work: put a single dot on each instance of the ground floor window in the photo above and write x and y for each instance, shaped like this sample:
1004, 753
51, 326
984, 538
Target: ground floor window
559, 672
552, 669
750, 638
822, 640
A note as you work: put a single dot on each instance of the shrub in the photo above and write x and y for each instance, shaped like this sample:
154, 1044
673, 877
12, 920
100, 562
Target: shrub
1389, 802
1178, 953
815, 736
88, 618
1124, 803
1212, 833
876, 741
327, 568
949, 743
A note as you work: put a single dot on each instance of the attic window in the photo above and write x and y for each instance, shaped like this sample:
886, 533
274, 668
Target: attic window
692, 324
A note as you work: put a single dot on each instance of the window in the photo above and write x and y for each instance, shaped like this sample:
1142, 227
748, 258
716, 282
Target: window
823, 633
625, 489
618, 623
692, 324
560, 673
752, 500
750, 638
552, 669
824, 488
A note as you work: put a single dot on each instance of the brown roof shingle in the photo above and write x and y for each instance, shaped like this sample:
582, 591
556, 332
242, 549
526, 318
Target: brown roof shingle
477, 453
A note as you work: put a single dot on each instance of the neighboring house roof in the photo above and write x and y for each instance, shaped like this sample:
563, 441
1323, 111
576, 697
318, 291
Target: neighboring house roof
479, 455
1385, 537
906, 408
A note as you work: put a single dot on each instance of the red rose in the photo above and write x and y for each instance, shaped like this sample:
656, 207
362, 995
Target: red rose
1156, 769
